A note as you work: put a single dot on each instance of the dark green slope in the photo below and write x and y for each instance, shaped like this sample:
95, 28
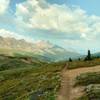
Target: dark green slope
21, 79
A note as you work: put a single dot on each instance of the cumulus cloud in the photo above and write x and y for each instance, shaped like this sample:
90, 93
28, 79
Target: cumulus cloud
39, 14
3, 6
6, 33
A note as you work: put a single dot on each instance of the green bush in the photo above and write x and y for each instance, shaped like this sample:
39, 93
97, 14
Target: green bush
92, 92
88, 78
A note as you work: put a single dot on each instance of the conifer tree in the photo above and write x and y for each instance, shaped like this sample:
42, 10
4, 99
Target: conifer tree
89, 55
70, 60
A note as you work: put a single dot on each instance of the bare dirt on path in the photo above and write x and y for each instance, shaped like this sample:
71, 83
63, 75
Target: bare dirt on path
67, 91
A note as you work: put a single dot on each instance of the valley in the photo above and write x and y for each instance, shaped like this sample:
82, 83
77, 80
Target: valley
43, 50
44, 71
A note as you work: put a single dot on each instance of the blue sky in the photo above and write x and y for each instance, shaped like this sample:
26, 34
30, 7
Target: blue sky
13, 4
91, 6
72, 24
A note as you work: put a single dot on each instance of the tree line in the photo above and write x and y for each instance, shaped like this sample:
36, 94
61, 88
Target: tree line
87, 58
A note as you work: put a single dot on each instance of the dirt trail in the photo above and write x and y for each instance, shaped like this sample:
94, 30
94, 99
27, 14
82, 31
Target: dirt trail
67, 92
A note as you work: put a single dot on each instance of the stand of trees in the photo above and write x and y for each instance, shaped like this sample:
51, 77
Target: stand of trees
87, 58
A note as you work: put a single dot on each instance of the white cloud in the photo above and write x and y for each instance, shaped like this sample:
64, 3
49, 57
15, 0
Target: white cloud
6, 33
40, 14
3, 6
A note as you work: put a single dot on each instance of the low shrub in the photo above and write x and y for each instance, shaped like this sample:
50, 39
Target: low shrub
88, 78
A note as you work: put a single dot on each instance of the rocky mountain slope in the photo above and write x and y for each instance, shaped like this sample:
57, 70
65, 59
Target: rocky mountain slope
40, 49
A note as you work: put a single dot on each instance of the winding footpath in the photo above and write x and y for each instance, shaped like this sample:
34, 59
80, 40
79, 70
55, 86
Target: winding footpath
67, 91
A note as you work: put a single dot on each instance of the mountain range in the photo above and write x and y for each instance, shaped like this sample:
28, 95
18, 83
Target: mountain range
40, 49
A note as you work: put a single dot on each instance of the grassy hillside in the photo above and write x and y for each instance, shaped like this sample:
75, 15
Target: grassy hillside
81, 63
19, 53
28, 79
11, 62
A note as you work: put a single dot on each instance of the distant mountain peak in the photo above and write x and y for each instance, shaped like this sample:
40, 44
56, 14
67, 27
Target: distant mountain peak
43, 44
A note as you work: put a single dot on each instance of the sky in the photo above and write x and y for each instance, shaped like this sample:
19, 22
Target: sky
71, 24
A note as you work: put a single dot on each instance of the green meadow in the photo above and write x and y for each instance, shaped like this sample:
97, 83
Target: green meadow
24, 78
